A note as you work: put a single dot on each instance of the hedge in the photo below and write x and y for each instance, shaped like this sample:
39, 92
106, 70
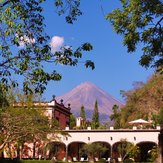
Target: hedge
25, 161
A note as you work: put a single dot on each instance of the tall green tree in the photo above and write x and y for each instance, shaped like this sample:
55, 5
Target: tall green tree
95, 117
82, 112
72, 121
24, 45
83, 115
140, 21
115, 116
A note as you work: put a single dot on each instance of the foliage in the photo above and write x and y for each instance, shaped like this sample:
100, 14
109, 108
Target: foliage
70, 8
3, 97
52, 148
143, 102
153, 154
82, 112
127, 150
158, 118
83, 116
93, 149
25, 49
35, 161
104, 125
24, 161
23, 122
3, 102
140, 24
23, 125
95, 117
115, 116
140, 21
72, 121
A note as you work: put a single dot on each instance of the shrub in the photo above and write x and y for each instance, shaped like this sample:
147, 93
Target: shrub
23, 161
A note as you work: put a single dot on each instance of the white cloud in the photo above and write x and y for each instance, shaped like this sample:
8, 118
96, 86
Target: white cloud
56, 43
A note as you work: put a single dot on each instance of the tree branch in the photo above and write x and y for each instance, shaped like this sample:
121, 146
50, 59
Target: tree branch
4, 4
158, 23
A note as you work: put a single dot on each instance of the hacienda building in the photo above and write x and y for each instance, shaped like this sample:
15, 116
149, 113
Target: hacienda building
67, 147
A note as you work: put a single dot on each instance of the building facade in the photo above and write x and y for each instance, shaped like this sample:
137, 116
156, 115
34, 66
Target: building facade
59, 112
68, 146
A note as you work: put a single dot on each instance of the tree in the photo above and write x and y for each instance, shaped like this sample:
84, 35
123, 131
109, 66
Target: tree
52, 148
115, 116
25, 48
83, 116
82, 112
95, 117
3, 105
158, 118
3, 97
23, 123
93, 149
72, 121
140, 21
70, 8
127, 150
153, 154
143, 102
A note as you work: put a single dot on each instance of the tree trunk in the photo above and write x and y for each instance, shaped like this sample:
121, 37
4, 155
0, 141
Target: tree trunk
2, 146
34, 149
10, 152
18, 152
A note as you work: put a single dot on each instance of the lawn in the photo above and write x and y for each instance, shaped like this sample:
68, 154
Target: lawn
25, 161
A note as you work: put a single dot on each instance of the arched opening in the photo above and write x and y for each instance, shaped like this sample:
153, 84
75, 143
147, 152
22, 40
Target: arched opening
105, 151
74, 151
95, 151
55, 149
148, 151
124, 150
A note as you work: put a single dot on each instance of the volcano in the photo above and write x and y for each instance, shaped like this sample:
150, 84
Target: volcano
86, 94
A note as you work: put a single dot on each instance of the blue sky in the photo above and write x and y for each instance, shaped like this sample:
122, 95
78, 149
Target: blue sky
115, 69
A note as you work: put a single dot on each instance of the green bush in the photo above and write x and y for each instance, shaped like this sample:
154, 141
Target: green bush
128, 161
35, 161
24, 161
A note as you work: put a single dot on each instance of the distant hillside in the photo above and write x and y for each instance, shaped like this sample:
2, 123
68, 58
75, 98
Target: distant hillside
86, 94
144, 101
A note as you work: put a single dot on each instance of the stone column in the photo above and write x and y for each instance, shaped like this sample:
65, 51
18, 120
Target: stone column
66, 153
